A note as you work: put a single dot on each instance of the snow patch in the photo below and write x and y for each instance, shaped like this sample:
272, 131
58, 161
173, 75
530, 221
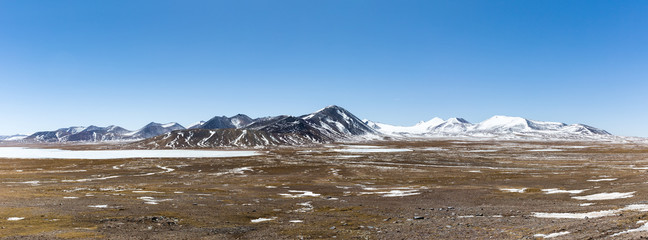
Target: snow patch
602, 180
302, 194
643, 228
513, 190
605, 196
546, 150
596, 214
262, 219
556, 190
552, 235
152, 200
98, 206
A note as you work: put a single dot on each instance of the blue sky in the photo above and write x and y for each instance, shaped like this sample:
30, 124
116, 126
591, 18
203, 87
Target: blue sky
68, 63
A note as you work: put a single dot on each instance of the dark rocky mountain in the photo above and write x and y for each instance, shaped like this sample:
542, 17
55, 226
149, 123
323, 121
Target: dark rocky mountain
330, 124
223, 122
241, 120
337, 122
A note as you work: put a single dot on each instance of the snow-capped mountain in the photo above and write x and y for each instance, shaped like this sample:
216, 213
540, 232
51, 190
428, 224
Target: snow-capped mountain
222, 122
196, 125
452, 126
496, 126
97, 134
153, 129
16, 137
337, 122
422, 127
59, 135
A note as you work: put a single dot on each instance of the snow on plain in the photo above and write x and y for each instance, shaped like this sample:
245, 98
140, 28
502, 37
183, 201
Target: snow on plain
399, 193
152, 200
605, 196
556, 190
15, 218
262, 219
602, 180
643, 228
596, 214
372, 150
98, 206
552, 235
302, 194
240, 171
545, 150
36, 153
434, 149
513, 190
392, 192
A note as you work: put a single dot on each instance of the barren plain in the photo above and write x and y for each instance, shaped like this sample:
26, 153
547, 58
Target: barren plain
434, 189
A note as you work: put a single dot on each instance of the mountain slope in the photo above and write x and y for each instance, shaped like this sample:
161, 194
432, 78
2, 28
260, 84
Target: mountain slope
338, 123
452, 126
230, 137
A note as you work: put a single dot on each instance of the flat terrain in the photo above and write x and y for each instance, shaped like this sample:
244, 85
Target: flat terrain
380, 190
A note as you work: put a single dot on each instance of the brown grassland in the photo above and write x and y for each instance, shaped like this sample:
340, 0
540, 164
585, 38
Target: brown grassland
439, 190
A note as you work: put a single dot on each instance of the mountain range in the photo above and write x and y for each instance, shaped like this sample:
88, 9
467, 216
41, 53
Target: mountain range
330, 124
496, 126
98, 134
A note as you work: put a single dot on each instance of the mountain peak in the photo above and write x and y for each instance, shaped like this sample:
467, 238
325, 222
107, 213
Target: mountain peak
457, 120
430, 123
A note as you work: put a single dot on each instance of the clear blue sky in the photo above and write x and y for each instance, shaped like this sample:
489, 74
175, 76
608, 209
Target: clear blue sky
123, 62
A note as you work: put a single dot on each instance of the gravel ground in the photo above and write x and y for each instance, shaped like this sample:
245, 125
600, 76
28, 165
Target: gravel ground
404, 190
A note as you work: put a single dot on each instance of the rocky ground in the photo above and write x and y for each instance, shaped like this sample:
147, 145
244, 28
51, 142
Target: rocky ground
382, 190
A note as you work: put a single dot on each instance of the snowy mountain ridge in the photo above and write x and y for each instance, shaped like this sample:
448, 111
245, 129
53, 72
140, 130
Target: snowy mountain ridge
497, 126
99, 134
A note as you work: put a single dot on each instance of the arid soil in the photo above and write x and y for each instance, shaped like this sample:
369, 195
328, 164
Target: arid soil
379, 190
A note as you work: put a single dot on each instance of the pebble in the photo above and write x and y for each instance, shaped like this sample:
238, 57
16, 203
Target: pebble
419, 217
